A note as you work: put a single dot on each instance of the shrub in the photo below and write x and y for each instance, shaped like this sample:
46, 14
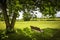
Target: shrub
26, 16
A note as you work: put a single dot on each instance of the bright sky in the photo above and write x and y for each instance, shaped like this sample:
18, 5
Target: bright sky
58, 14
39, 14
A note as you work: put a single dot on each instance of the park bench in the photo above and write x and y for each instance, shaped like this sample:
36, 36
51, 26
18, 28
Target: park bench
36, 28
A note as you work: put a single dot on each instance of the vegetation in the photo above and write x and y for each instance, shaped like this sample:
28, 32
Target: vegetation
40, 24
27, 34
21, 30
26, 16
13, 6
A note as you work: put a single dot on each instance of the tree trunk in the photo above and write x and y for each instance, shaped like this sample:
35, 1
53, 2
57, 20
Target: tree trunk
9, 27
6, 18
13, 21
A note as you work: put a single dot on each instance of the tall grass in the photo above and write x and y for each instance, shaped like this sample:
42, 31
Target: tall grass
27, 34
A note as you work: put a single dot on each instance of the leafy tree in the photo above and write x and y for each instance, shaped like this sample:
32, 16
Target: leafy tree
47, 7
1, 17
10, 9
13, 7
29, 5
58, 5
26, 16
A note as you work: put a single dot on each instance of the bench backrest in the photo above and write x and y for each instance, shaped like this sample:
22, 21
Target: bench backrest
35, 28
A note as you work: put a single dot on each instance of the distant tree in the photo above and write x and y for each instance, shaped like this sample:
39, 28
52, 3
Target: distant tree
29, 5
26, 16
34, 17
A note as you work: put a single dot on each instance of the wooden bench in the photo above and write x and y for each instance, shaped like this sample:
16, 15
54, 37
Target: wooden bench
36, 28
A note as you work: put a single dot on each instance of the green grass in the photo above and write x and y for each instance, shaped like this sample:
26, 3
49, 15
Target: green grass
27, 34
40, 24
2, 25
51, 31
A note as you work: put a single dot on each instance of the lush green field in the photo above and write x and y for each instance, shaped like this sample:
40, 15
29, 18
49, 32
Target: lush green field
40, 24
51, 31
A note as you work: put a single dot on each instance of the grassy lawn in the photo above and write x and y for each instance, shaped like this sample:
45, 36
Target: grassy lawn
2, 25
40, 24
51, 31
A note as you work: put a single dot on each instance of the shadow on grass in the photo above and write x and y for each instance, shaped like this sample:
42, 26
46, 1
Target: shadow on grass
27, 34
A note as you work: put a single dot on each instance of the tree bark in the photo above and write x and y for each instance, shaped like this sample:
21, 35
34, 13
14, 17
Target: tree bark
9, 26
13, 21
6, 18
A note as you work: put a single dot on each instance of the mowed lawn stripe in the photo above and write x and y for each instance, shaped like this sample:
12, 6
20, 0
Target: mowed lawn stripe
40, 24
